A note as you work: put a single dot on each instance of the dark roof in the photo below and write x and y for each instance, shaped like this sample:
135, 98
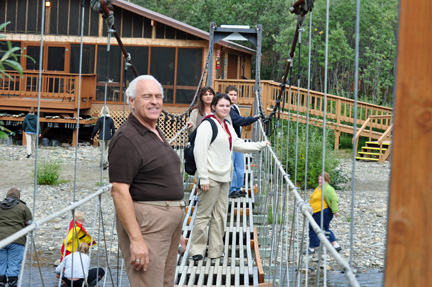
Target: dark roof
176, 24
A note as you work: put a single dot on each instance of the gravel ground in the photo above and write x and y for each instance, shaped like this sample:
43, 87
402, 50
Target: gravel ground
370, 208
370, 215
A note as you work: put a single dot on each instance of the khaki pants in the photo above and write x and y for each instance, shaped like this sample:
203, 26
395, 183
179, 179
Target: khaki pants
31, 143
104, 153
161, 228
211, 209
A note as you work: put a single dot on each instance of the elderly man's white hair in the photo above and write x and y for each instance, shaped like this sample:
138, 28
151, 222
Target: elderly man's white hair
131, 90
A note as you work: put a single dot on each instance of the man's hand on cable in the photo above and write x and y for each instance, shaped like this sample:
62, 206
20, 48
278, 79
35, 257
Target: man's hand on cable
139, 254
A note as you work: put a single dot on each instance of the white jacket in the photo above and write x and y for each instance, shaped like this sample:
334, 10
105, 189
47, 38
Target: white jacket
215, 160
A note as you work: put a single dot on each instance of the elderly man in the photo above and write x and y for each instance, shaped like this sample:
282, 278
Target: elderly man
147, 189
14, 216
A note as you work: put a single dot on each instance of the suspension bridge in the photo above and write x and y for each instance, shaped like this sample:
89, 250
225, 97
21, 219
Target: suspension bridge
268, 185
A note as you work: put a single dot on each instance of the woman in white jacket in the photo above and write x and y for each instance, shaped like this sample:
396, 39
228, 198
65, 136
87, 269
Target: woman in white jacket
214, 171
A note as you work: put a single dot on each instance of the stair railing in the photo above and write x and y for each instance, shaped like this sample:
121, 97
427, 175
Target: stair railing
386, 135
376, 122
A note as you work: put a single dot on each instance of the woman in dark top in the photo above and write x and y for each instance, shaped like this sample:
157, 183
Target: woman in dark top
106, 131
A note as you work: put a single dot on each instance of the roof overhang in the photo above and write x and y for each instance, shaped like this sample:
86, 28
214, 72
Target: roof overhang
177, 24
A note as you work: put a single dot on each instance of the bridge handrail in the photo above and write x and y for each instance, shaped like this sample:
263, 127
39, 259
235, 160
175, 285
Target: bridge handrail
35, 224
306, 210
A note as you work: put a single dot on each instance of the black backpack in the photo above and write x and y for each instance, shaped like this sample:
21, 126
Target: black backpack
189, 159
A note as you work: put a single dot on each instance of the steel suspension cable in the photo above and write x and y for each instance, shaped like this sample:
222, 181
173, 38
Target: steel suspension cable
301, 30
74, 235
324, 135
307, 140
37, 135
356, 80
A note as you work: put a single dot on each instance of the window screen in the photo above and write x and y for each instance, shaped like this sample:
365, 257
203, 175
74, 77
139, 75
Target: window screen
87, 59
162, 64
189, 66
87, 18
160, 31
168, 96
2, 11
11, 16
32, 23
137, 26
180, 35
33, 51
75, 18
21, 16
53, 17
94, 25
184, 96
63, 15
114, 64
56, 59
127, 24
147, 28
139, 58
170, 32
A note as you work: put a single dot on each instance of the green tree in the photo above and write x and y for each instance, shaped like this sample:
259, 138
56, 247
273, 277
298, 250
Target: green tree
377, 39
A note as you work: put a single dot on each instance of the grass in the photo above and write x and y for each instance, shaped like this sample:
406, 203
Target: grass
48, 173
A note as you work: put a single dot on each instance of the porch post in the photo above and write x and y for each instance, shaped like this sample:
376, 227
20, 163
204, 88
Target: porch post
409, 252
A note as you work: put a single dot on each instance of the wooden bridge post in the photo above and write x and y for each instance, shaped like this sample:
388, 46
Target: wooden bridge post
409, 251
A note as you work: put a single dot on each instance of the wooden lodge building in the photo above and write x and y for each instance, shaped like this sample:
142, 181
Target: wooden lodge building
172, 51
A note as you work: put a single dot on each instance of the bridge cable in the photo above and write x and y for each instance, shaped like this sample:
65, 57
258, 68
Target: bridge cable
284, 78
301, 30
324, 143
37, 138
356, 81
306, 222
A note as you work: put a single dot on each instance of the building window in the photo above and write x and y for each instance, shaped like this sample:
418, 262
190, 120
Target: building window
88, 58
162, 64
189, 68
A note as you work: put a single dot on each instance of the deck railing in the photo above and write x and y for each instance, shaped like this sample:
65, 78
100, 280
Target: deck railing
61, 87
340, 111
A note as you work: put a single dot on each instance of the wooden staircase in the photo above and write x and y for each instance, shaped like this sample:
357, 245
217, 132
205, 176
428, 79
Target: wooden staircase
375, 151
379, 150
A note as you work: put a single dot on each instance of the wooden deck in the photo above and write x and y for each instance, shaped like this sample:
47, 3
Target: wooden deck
59, 91
339, 112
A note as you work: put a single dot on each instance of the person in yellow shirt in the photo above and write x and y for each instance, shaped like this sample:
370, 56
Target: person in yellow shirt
329, 209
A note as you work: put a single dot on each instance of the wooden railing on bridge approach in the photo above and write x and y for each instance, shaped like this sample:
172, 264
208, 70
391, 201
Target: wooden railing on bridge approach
340, 111
58, 90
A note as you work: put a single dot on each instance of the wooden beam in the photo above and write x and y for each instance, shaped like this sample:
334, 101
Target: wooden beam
409, 252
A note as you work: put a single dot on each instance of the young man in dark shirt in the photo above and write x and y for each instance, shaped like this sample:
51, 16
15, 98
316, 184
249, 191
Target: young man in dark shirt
238, 159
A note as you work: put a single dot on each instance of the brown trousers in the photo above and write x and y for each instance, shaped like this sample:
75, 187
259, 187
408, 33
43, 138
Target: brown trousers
161, 228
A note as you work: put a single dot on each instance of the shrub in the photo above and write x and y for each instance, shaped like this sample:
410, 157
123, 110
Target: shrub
315, 147
48, 173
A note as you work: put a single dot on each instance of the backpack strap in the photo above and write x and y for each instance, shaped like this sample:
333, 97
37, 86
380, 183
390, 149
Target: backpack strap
214, 129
